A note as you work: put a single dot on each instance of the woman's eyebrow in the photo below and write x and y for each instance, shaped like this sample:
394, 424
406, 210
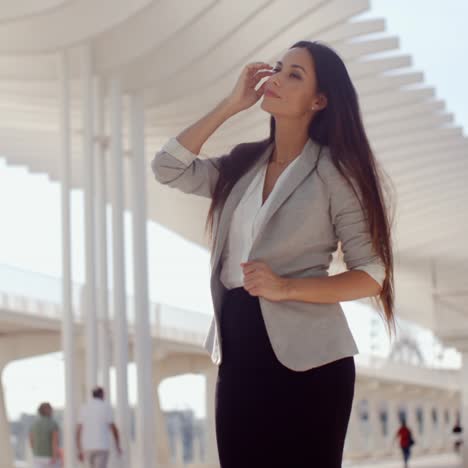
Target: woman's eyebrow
293, 65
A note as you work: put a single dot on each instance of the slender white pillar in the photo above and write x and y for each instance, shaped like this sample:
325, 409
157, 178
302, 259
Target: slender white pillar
412, 422
179, 449
68, 336
418, 431
104, 336
354, 435
88, 181
196, 454
143, 347
211, 449
119, 290
427, 425
439, 428
375, 426
6, 450
464, 406
163, 452
393, 425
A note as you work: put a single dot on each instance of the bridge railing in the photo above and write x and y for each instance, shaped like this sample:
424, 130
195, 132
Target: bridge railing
40, 295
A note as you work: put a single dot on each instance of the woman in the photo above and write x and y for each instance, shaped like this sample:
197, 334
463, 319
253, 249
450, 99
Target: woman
278, 209
406, 441
44, 438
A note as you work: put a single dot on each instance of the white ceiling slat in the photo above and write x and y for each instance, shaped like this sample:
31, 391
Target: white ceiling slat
374, 85
372, 67
436, 176
21, 9
355, 50
62, 27
394, 99
433, 157
421, 188
433, 121
417, 137
442, 148
409, 111
352, 30
452, 197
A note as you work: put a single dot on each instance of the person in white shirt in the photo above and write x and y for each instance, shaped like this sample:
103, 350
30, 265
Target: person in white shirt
95, 425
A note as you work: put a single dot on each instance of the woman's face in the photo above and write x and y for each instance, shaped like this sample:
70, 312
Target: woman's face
294, 83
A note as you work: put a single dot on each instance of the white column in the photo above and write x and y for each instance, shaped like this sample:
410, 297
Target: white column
68, 336
411, 415
439, 428
6, 450
163, 452
119, 290
354, 439
88, 181
412, 423
104, 335
464, 406
143, 347
196, 450
427, 425
81, 391
444, 426
418, 435
211, 449
375, 427
451, 424
393, 425
179, 449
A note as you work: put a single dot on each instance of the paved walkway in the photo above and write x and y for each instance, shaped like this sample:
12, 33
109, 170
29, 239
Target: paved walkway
433, 461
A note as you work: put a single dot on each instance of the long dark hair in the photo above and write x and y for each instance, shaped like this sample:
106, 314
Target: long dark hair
338, 126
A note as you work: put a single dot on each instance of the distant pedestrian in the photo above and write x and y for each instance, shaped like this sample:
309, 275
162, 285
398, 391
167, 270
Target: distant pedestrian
458, 438
44, 439
95, 425
406, 441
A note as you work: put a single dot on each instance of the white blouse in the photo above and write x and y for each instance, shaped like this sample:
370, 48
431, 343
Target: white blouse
245, 224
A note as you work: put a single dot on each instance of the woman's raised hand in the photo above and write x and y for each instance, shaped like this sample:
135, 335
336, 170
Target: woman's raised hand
244, 94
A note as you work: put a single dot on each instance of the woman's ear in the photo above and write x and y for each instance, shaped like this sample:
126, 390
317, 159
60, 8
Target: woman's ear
321, 102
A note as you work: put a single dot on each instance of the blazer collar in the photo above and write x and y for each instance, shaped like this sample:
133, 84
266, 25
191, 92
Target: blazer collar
297, 174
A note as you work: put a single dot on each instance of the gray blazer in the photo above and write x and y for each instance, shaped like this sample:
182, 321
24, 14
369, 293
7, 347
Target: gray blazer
312, 211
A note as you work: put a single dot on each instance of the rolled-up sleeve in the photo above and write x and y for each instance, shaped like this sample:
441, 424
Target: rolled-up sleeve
176, 166
351, 229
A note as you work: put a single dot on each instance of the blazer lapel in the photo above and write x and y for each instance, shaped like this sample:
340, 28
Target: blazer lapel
298, 173
231, 203
301, 169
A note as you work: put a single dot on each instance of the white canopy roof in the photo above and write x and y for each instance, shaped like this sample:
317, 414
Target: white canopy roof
185, 56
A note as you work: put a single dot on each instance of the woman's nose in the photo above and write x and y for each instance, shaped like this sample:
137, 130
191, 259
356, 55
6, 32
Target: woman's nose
275, 79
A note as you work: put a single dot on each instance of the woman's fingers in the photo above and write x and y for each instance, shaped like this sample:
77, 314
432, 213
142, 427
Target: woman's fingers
258, 77
261, 89
254, 69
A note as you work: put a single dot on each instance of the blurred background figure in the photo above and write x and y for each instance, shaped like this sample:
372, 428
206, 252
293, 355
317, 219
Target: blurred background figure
406, 441
457, 433
96, 422
44, 439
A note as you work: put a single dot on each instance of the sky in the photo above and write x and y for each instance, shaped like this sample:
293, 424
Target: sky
436, 38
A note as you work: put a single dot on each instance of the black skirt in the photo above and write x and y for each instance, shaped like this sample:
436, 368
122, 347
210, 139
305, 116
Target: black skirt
268, 415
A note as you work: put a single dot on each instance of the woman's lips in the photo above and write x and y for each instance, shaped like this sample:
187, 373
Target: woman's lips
271, 94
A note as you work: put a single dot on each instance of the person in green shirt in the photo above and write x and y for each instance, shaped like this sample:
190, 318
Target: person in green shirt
44, 438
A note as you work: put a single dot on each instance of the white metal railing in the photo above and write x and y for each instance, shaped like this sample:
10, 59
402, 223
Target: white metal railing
166, 321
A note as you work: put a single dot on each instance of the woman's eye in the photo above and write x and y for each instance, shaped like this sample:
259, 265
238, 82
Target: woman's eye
291, 74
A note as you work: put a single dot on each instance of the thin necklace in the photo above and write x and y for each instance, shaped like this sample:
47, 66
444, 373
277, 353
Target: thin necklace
281, 163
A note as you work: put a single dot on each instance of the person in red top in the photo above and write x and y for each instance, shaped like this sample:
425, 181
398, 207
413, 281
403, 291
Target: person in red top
406, 441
